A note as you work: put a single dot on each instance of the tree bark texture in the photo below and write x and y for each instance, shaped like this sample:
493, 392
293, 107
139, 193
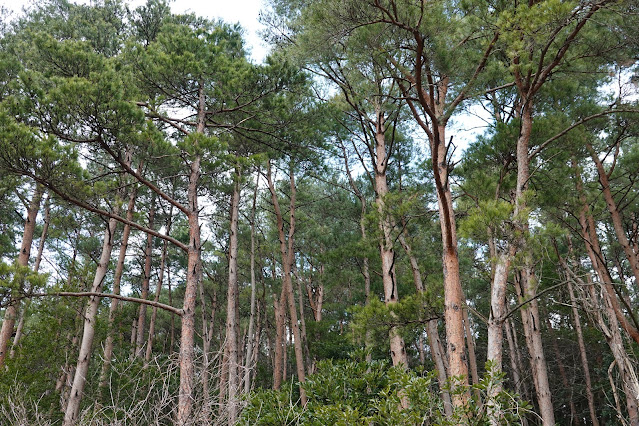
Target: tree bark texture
617, 221
193, 279
232, 322
36, 268
251, 336
386, 250
11, 312
583, 356
432, 333
90, 318
158, 290
146, 282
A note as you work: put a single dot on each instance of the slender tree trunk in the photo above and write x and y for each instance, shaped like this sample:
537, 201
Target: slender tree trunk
251, 336
280, 344
583, 356
117, 279
232, 321
72, 338
206, 366
256, 344
36, 268
23, 261
193, 278
65, 381
386, 250
574, 419
415, 269
494, 352
84, 357
172, 325
526, 278
496, 318
365, 261
526, 290
439, 359
471, 353
307, 355
630, 381
158, 290
432, 333
134, 334
288, 257
146, 282
615, 214
280, 328
593, 249
514, 365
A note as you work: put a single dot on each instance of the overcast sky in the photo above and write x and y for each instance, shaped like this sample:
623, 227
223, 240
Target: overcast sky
246, 12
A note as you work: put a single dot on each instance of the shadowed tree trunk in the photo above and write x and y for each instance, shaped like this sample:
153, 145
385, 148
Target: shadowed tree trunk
158, 289
251, 337
617, 221
432, 333
583, 356
574, 419
232, 321
117, 279
36, 268
23, 261
146, 282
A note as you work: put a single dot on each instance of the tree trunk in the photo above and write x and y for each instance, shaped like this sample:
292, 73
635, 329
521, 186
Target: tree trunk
23, 261
494, 352
514, 364
471, 353
232, 321
193, 278
158, 290
280, 344
36, 268
453, 294
526, 290
288, 257
630, 382
206, 366
593, 249
432, 333
365, 262
386, 250
574, 419
526, 281
307, 355
583, 356
251, 338
146, 282
117, 279
172, 325
280, 328
617, 222
84, 357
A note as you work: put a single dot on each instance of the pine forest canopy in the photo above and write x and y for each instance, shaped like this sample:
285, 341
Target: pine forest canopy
190, 237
